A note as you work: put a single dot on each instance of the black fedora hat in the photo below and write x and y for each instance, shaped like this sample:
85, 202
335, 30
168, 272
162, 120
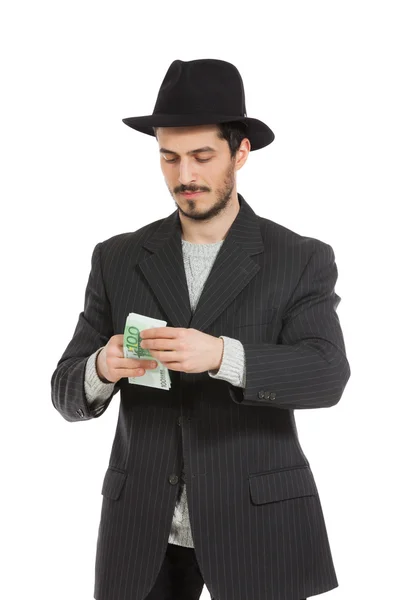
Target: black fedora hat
201, 92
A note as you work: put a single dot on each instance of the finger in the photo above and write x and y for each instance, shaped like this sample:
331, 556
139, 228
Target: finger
120, 340
131, 363
167, 345
134, 372
161, 332
127, 364
167, 355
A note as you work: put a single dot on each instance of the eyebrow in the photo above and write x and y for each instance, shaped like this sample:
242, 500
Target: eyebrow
197, 151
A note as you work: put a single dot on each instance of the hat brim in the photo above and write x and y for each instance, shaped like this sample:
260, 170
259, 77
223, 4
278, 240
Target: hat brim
259, 134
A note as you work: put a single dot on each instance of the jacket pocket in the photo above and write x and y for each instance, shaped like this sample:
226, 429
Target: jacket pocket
283, 484
113, 483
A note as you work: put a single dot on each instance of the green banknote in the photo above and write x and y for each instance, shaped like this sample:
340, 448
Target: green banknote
156, 378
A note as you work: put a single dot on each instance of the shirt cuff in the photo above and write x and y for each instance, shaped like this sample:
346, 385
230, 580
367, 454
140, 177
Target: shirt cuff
95, 389
233, 364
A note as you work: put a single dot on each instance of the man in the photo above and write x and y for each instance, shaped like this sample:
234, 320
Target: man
207, 482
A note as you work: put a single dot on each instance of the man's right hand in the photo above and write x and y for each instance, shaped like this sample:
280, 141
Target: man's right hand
112, 365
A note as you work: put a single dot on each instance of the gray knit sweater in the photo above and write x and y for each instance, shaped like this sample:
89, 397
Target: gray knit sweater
198, 260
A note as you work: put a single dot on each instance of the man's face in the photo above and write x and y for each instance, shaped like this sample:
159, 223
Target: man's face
195, 159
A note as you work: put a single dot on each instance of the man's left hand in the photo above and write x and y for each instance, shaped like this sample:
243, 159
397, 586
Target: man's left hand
186, 350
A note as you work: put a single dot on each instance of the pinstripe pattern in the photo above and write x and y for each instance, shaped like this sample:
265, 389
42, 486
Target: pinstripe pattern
256, 519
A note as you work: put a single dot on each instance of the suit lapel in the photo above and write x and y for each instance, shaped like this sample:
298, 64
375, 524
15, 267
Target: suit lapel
232, 270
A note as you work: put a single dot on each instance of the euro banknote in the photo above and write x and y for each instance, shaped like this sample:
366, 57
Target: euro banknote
135, 323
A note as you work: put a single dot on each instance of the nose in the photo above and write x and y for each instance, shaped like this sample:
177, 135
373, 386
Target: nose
186, 174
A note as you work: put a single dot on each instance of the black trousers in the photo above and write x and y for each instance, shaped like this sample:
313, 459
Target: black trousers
179, 577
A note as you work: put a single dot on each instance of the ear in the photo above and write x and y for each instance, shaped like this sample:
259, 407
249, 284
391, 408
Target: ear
242, 153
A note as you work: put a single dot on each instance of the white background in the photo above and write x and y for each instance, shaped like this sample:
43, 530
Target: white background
324, 76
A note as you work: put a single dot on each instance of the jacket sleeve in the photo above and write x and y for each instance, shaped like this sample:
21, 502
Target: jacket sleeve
93, 330
308, 368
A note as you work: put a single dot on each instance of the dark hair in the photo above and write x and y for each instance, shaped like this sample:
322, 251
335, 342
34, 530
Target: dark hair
232, 131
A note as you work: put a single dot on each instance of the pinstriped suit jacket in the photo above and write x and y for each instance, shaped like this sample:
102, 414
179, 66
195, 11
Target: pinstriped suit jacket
256, 518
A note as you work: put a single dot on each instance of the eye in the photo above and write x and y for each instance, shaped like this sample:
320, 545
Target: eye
201, 160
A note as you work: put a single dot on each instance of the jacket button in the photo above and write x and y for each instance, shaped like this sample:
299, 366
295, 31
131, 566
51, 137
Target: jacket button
173, 479
80, 412
272, 396
179, 421
261, 394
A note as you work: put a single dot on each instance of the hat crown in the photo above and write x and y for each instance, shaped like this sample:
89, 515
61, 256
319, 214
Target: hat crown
201, 86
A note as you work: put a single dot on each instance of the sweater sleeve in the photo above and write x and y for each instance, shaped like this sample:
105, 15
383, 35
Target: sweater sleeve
233, 364
97, 392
